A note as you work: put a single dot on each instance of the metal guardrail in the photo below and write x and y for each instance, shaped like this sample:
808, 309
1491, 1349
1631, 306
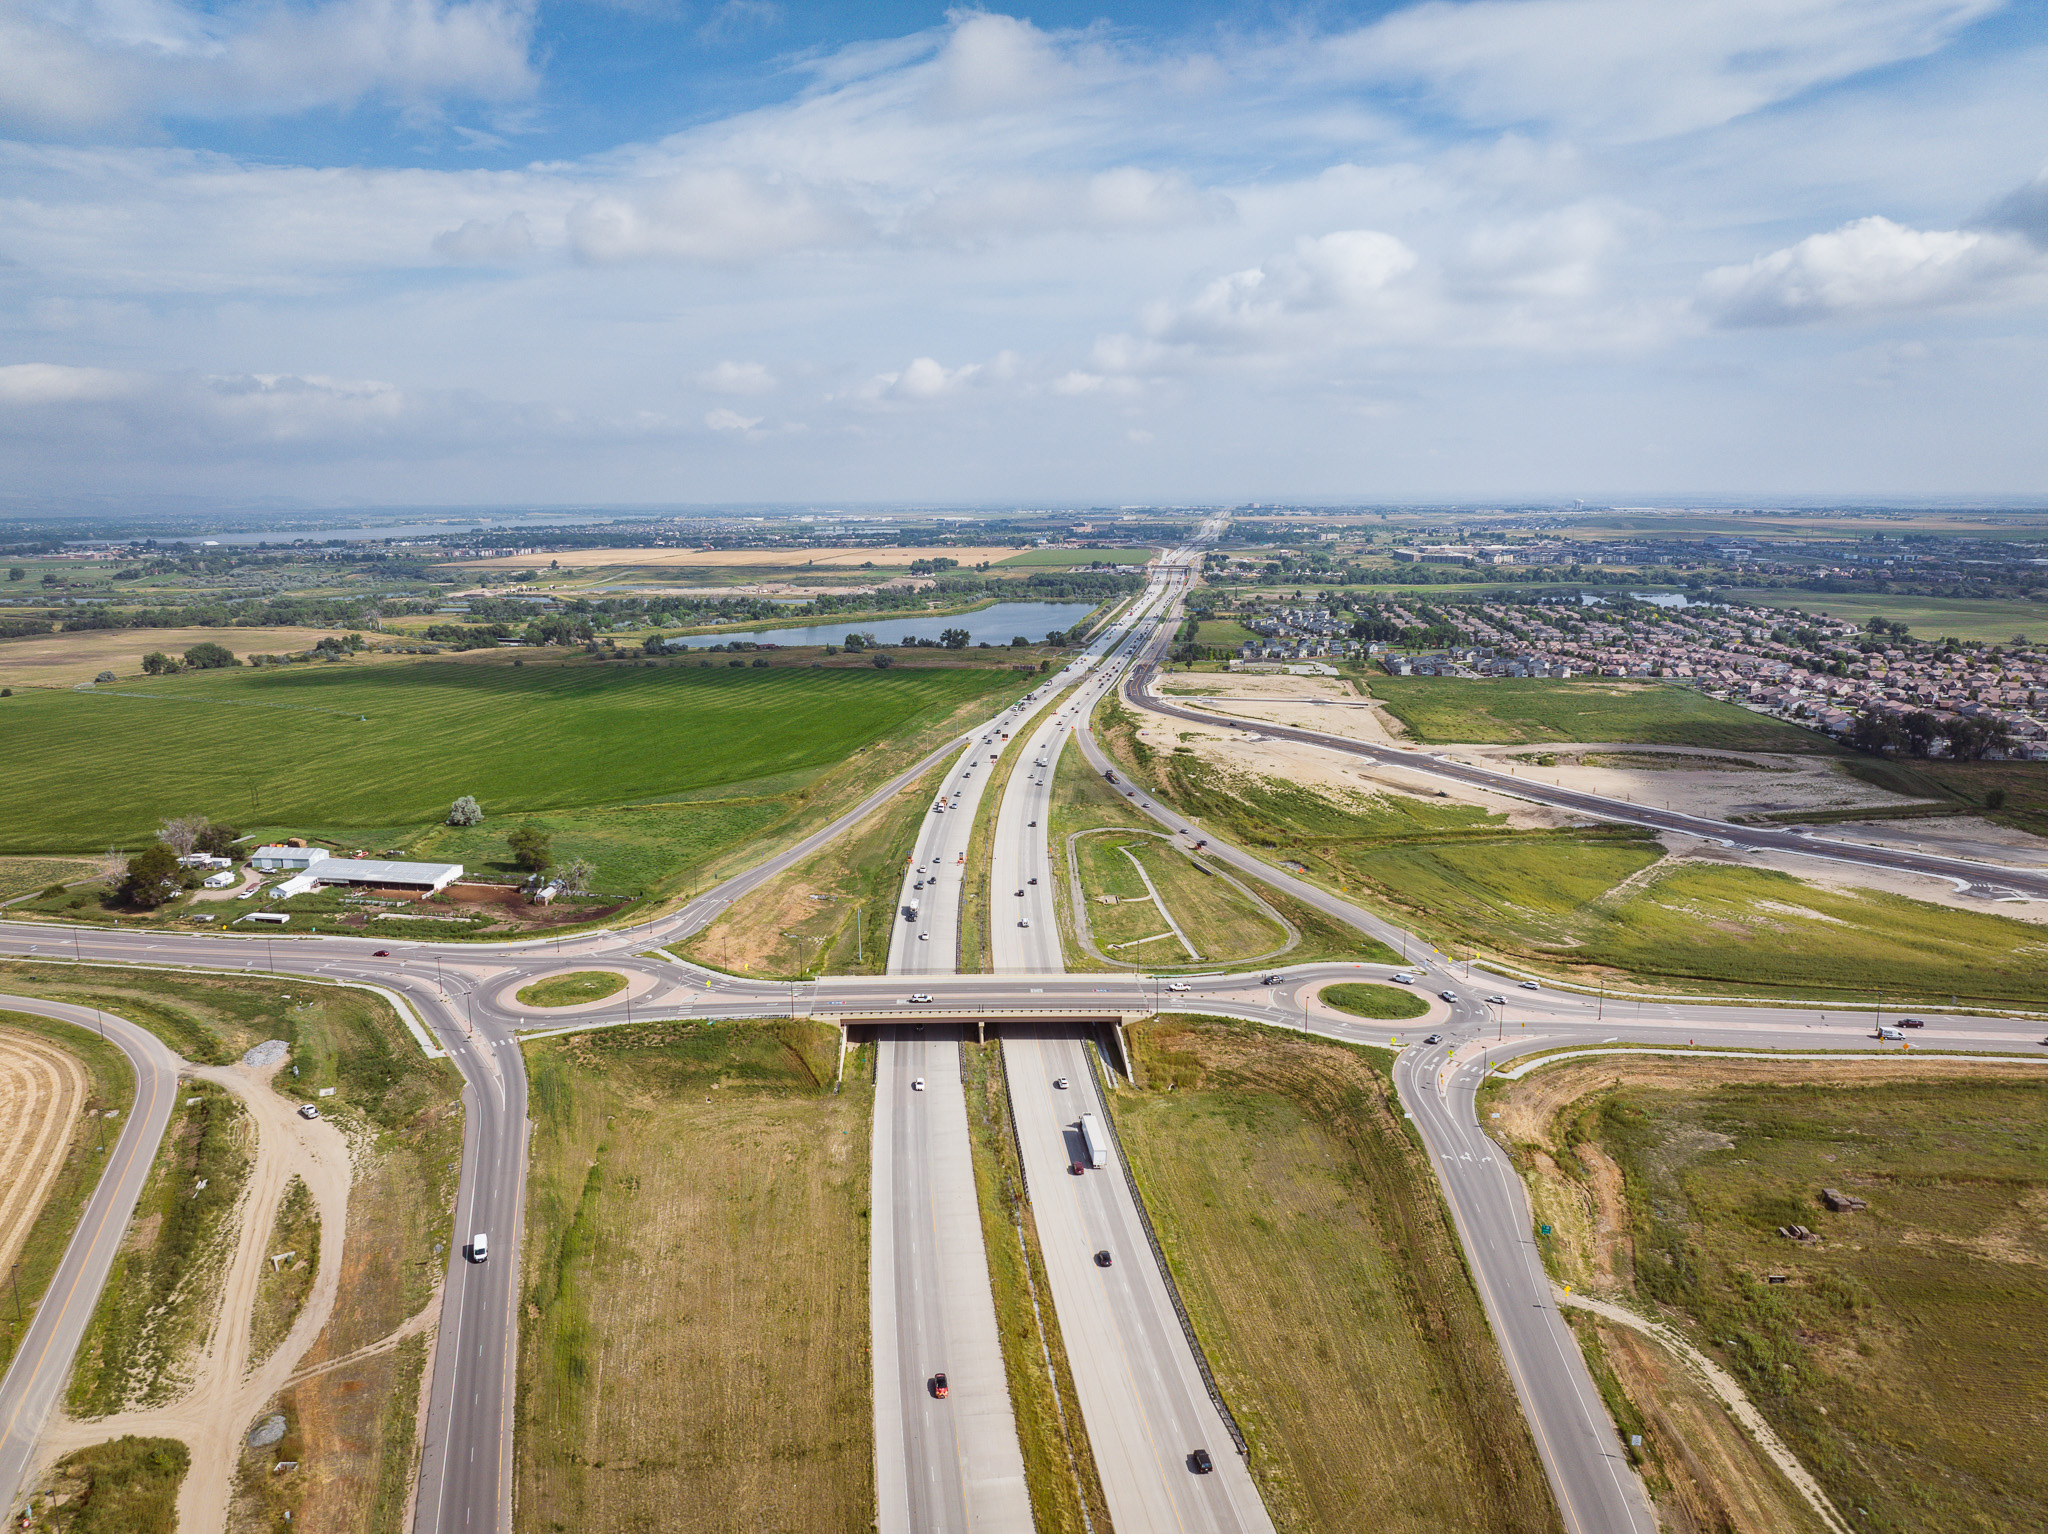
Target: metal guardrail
1187, 1325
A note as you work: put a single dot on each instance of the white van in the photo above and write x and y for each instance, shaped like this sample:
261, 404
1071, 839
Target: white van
479, 1247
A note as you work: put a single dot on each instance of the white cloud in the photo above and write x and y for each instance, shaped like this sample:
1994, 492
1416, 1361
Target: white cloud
737, 378
1351, 278
1871, 266
487, 242
1633, 70
69, 68
2024, 211
719, 215
725, 420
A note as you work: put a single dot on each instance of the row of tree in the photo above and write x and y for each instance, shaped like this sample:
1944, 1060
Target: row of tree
533, 850
1914, 734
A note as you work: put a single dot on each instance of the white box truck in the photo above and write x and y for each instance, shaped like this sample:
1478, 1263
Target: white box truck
1096, 1141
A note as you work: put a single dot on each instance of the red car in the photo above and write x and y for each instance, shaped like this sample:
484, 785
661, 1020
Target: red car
1077, 1169
939, 1386
382, 953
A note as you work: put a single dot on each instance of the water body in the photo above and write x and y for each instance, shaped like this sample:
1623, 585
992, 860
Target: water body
1654, 598
998, 625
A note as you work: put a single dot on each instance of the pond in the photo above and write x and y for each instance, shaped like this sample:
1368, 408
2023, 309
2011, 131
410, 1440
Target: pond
998, 625
1654, 598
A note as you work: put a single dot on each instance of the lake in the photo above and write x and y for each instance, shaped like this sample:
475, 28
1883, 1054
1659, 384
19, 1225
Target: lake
998, 625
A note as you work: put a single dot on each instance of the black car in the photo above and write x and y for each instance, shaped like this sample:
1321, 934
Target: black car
1200, 1463
1103, 1259
1434, 1038
939, 1386
1911, 1022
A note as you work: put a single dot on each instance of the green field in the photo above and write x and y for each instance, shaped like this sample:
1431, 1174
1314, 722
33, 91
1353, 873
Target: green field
1512, 710
1382, 1001
128, 1486
377, 753
694, 1353
1069, 558
1901, 1357
1306, 1233
1227, 632
1221, 921
572, 990
1992, 620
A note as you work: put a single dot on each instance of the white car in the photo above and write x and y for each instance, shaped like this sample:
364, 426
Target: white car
1530, 985
1061, 1084
919, 996
1025, 922
917, 1085
1402, 979
1177, 985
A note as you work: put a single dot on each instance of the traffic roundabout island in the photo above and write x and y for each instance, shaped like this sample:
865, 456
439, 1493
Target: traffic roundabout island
572, 988
1361, 999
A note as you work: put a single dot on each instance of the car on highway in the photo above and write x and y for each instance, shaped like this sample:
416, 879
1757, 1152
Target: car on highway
479, 1247
919, 996
1449, 996
1200, 1463
1530, 985
939, 1386
1496, 1001
1032, 881
1025, 922
382, 953
308, 1111
1911, 1022
1177, 985
1032, 822
1076, 1168
1273, 980
1434, 1038
1402, 979
1103, 1259
1020, 894
924, 937
917, 1084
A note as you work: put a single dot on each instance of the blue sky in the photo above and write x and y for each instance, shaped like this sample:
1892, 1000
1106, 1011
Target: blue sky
664, 250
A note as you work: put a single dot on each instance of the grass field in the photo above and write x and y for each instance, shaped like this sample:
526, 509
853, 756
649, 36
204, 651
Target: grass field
160, 1295
572, 990
1224, 925
1062, 559
1901, 1357
1224, 631
26, 876
1364, 1000
281, 1291
1967, 785
128, 1486
695, 1348
1510, 711
379, 752
62, 660
1989, 619
1305, 1231
110, 1084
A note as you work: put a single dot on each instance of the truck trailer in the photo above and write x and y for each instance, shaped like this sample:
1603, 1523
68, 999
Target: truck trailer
1096, 1142
910, 910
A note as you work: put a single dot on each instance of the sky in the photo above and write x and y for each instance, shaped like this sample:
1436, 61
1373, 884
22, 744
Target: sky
613, 251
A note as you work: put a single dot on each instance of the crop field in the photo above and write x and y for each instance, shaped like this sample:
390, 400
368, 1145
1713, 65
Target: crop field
1992, 620
1899, 1356
59, 660
695, 1348
1305, 1231
379, 751
693, 560
1514, 710
1060, 559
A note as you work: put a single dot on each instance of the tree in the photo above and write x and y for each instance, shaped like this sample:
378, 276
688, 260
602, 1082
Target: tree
1875, 734
1994, 799
104, 676
16, 573
181, 834
1055, 638
576, 875
152, 877
954, 639
1019, 642
208, 656
465, 812
883, 660
652, 645
855, 642
219, 839
156, 663
532, 848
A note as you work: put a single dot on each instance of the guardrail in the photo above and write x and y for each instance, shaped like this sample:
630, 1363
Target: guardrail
1187, 1325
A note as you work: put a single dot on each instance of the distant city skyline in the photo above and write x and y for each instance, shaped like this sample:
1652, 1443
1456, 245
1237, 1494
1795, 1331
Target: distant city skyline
621, 252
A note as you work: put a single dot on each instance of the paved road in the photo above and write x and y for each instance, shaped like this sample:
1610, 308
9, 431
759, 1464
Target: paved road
1143, 1403
37, 1376
941, 1466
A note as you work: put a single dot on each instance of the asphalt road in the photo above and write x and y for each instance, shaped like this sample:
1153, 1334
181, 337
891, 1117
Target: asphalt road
41, 1366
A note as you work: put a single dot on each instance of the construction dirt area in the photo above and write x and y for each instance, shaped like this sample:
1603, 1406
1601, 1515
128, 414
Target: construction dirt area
42, 1095
225, 1394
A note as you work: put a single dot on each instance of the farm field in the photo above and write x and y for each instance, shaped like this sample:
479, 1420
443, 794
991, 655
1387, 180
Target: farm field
784, 559
1511, 711
1069, 558
60, 660
1899, 1357
391, 747
1992, 620
695, 1348
1305, 1231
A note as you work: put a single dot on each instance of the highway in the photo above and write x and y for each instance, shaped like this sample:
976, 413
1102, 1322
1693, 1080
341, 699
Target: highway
41, 1366
458, 997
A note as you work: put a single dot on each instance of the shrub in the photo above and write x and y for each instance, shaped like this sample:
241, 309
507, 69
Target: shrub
465, 812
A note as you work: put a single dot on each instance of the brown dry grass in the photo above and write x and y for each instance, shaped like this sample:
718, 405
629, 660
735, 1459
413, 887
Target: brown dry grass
42, 1094
694, 1350
1319, 1263
59, 660
885, 561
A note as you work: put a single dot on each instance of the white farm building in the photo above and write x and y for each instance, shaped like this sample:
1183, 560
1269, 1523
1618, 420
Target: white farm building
374, 874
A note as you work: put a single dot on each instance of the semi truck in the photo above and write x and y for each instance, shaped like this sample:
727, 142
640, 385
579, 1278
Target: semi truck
910, 910
1095, 1140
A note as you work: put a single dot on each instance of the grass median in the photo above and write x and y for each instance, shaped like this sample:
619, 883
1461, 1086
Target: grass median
1895, 1349
1316, 1257
575, 990
694, 1352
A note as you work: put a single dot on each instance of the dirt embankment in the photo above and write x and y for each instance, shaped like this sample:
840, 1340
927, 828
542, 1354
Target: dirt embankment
42, 1093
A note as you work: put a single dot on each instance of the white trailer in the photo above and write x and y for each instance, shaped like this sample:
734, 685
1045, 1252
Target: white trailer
1095, 1140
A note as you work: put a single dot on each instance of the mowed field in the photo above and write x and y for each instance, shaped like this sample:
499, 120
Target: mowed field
1305, 1230
1512, 710
392, 746
694, 1353
1901, 1356
59, 660
1990, 620
1067, 559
